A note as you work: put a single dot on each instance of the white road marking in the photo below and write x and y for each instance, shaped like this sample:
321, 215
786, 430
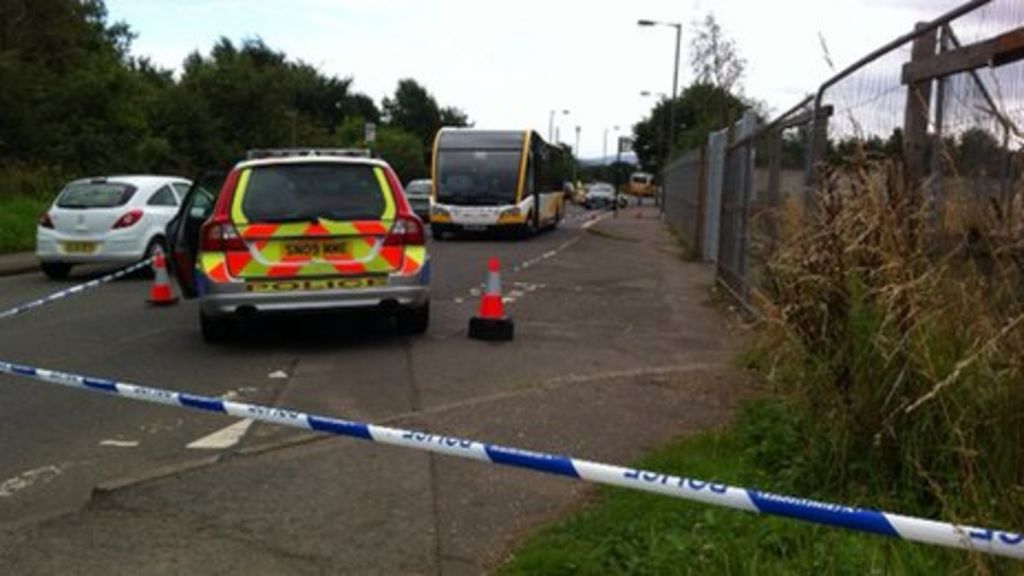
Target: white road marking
223, 438
459, 300
586, 225
44, 474
277, 375
120, 443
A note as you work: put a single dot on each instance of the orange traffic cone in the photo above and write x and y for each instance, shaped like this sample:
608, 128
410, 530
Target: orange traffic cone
161, 293
491, 323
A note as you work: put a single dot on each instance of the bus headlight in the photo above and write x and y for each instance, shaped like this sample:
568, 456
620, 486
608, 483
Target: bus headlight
511, 215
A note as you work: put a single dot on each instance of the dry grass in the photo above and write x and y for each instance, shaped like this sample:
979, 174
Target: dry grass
901, 333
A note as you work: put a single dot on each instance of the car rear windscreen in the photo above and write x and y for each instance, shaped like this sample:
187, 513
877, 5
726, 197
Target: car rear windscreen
418, 188
297, 192
95, 195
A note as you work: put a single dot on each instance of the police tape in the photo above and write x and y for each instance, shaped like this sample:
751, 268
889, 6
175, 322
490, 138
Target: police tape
78, 289
972, 538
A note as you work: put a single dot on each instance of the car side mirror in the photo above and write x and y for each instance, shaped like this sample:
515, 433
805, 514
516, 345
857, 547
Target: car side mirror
197, 213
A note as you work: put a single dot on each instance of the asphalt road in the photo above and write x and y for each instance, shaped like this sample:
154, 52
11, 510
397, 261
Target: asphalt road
616, 349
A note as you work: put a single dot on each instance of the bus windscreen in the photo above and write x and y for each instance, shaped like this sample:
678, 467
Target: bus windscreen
477, 177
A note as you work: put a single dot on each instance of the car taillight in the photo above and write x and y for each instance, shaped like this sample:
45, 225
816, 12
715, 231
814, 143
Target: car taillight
220, 236
406, 231
45, 221
128, 219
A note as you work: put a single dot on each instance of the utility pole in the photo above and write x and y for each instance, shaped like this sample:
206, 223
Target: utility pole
576, 156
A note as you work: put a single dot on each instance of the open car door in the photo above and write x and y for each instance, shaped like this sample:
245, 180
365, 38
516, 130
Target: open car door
183, 231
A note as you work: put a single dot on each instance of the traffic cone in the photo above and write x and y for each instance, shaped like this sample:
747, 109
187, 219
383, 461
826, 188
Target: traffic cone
161, 293
491, 323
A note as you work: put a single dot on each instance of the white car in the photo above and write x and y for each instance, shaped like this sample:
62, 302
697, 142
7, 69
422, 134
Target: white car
116, 219
602, 195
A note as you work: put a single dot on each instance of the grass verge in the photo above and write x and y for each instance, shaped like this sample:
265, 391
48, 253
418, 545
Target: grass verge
18, 216
629, 532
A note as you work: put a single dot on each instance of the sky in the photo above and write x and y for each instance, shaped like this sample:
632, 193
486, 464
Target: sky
509, 64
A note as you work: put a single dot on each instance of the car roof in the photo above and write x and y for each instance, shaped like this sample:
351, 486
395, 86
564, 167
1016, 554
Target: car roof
141, 181
277, 161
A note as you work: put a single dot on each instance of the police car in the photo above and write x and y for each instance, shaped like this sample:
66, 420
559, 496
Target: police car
301, 230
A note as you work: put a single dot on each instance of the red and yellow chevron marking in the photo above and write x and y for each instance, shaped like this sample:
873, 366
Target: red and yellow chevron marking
214, 267
415, 256
312, 249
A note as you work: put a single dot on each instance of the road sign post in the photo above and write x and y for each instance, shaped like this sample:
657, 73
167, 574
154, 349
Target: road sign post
625, 145
370, 135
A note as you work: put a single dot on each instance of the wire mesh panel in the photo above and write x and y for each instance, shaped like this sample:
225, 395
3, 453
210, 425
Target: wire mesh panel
684, 196
978, 134
957, 140
736, 188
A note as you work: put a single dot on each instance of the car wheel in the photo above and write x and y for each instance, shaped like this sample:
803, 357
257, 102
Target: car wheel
155, 243
437, 233
413, 321
215, 330
55, 270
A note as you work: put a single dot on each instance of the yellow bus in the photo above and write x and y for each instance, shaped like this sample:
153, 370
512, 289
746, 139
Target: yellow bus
641, 184
496, 180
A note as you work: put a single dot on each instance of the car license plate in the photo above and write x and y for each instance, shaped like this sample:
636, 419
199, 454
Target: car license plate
317, 284
330, 249
79, 247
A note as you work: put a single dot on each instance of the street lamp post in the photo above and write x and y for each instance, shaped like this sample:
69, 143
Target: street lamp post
576, 155
675, 76
551, 123
604, 156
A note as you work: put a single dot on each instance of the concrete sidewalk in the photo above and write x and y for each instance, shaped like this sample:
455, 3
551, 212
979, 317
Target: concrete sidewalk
18, 263
617, 350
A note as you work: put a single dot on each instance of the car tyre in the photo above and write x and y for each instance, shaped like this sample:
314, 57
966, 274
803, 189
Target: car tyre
413, 321
529, 228
215, 330
437, 233
55, 270
155, 243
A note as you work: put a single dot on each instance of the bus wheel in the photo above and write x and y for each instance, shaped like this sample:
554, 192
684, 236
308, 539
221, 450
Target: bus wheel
437, 233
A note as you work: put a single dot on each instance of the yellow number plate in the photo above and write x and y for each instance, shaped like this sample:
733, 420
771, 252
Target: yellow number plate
332, 249
79, 247
314, 285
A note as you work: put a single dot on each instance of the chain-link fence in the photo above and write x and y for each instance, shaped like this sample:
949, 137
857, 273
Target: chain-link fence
946, 100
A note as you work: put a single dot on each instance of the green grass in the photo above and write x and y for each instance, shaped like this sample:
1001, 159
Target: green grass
629, 532
18, 216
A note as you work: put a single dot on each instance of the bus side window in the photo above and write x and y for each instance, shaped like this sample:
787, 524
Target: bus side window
530, 176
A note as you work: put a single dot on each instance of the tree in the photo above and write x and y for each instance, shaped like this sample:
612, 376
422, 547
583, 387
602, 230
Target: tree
402, 150
414, 110
700, 109
715, 59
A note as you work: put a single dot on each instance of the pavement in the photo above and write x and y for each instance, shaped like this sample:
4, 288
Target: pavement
617, 350
18, 263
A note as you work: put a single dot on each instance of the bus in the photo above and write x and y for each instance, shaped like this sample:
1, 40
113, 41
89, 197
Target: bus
641, 184
496, 180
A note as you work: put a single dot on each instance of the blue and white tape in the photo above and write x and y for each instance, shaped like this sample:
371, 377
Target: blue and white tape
984, 540
76, 289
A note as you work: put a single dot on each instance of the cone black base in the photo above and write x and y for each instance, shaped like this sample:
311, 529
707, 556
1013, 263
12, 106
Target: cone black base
491, 329
171, 302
